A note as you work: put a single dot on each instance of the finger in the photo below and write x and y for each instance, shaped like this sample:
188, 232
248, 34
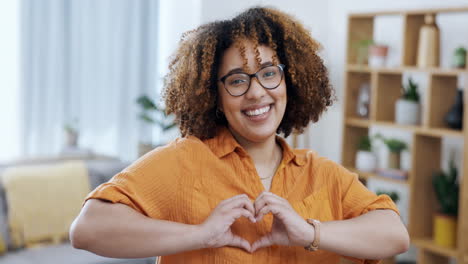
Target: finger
234, 198
264, 201
239, 212
241, 203
264, 241
240, 243
271, 208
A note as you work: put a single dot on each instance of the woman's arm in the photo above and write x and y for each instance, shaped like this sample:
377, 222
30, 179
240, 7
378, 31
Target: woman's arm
118, 231
375, 235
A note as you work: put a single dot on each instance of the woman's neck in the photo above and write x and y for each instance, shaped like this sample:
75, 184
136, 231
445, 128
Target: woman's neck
262, 153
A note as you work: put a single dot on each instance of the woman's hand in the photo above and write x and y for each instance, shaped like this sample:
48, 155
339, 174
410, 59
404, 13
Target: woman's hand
288, 229
216, 229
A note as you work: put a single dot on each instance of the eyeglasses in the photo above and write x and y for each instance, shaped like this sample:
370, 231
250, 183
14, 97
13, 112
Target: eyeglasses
269, 77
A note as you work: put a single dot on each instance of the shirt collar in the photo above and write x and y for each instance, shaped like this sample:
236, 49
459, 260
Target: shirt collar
224, 143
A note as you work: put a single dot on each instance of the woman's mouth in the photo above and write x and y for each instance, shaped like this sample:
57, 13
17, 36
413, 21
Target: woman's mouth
258, 114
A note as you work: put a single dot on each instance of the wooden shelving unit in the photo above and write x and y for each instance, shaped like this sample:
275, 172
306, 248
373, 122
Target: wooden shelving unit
426, 150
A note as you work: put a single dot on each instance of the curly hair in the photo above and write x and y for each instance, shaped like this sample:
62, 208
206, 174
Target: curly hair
190, 87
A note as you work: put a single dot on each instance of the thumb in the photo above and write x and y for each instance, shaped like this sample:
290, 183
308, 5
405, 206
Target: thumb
264, 241
239, 242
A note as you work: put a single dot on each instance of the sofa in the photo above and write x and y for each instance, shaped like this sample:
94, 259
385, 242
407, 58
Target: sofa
100, 169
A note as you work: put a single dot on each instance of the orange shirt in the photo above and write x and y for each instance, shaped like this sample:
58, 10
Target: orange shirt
185, 180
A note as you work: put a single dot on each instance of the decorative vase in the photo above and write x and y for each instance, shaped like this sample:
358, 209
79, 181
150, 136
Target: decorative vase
428, 48
366, 161
445, 230
363, 101
71, 139
378, 55
394, 160
407, 112
454, 117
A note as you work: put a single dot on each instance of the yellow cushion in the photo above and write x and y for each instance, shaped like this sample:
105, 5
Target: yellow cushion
43, 200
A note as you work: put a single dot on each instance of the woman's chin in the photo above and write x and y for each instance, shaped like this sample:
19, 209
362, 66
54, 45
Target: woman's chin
259, 135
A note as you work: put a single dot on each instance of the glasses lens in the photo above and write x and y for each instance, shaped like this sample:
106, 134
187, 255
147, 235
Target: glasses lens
270, 77
237, 83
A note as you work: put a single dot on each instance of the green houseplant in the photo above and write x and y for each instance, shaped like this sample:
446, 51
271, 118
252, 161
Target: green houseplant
407, 108
362, 50
459, 57
395, 146
153, 114
446, 188
392, 194
366, 160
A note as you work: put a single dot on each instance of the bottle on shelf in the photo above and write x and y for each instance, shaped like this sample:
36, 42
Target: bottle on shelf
428, 48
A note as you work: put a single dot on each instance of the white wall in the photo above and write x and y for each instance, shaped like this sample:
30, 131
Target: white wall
9, 80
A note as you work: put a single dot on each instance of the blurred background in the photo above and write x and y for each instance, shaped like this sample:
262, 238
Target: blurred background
80, 87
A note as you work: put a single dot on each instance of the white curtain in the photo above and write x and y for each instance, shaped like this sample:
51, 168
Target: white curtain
87, 60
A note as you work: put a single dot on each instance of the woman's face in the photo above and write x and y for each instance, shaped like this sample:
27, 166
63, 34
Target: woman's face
255, 115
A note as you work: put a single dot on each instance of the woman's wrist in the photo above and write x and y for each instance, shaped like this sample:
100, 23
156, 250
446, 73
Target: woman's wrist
198, 236
308, 235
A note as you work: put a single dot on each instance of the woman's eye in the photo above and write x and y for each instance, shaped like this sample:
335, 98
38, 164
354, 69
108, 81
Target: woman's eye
269, 74
237, 82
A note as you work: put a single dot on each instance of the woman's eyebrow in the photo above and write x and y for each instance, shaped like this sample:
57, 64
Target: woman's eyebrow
240, 70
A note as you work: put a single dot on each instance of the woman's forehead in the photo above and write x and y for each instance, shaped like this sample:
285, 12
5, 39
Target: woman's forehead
243, 55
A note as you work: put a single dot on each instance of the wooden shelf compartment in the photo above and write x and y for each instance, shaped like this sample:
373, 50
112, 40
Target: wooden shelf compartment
426, 157
351, 135
442, 90
412, 25
359, 29
388, 91
355, 81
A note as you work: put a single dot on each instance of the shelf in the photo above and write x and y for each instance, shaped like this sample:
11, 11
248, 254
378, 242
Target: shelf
358, 122
408, 12
431, 132
363, 68
370, 175
428, 244
427, 146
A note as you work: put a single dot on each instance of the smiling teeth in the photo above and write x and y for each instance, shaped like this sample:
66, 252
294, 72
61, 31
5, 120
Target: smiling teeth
257, 112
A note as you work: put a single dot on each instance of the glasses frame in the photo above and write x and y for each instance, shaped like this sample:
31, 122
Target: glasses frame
280, 66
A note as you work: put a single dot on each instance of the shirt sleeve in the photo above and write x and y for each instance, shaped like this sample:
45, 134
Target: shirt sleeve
357, 200
148, 185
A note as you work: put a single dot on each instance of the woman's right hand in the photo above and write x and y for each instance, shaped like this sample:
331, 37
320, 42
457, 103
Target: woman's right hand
216, 229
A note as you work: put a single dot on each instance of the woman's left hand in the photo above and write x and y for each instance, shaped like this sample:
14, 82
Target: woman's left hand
288, 229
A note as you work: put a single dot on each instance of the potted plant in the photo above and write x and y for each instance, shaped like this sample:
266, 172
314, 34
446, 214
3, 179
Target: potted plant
377, 55
366, 160
392, 194
395, 147
153, 115
362, 48
459, 57
446, 189
71, 134
407, 109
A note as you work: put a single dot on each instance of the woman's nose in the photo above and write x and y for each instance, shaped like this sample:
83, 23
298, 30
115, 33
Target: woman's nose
256, 90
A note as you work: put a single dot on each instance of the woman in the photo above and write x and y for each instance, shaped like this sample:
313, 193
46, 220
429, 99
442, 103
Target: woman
230, 190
